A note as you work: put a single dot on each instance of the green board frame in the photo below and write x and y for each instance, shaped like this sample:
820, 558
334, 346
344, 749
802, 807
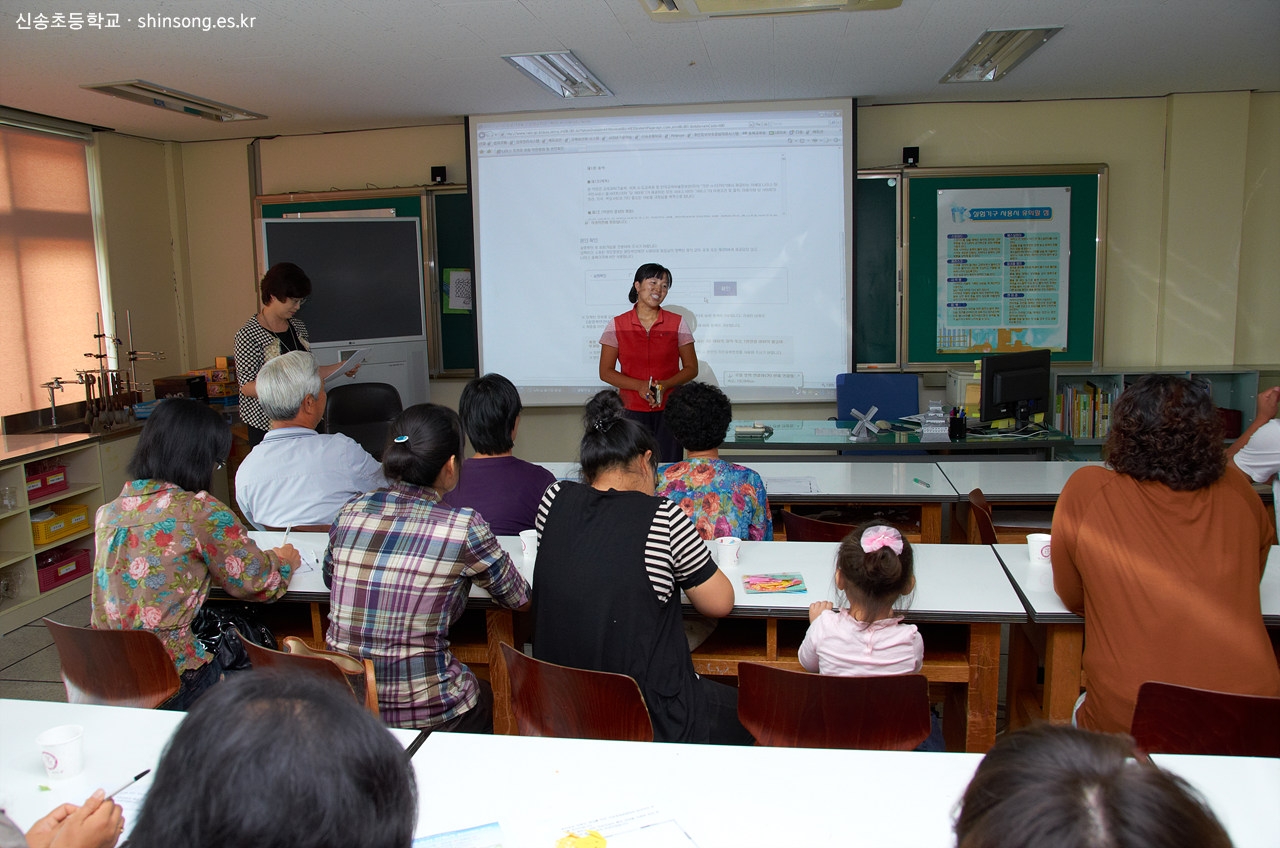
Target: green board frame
1086, 265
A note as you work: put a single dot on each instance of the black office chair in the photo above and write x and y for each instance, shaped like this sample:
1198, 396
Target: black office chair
363, 411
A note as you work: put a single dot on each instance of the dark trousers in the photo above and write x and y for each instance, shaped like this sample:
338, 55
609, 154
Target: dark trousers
669, 450
478, 719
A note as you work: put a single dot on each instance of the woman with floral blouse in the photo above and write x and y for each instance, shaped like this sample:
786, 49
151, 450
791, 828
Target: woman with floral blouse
166, 540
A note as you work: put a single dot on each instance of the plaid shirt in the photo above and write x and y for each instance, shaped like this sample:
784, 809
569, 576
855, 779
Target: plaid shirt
403, 563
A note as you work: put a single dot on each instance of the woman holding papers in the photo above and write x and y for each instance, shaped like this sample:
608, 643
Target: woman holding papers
272, 331
647, 351
1162, 553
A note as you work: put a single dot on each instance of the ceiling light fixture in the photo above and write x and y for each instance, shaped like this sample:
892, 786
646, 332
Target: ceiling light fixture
997, 52
562, 72
163, 97
673, 11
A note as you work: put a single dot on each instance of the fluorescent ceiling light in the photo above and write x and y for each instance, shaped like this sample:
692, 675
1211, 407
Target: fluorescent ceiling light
996, 52
697, 10
151, 94
561, 72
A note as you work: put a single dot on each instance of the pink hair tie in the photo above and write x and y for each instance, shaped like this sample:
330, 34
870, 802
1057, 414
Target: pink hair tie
880, 536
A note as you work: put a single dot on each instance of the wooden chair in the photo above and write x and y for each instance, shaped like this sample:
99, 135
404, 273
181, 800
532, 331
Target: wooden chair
796, 709
982, 529
574, 703
801, 529
354, 674
1171, 719
119, 668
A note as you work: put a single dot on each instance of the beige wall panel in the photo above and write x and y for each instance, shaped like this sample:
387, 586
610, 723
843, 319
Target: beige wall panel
1258, 307
357, 160
220, 244
136, 210
1207, 140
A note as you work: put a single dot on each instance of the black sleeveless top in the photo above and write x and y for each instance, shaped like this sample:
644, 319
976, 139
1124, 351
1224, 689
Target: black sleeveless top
594, 606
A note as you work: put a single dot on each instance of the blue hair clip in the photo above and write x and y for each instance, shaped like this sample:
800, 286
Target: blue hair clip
400, 439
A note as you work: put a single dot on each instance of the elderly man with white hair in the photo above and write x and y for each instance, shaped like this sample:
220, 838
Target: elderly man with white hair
296, 476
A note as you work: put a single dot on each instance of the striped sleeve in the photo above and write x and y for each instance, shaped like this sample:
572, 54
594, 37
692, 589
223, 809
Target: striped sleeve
544, 506
674, 552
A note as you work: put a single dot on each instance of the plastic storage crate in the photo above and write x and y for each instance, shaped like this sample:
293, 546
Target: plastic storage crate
62, 565
69, 519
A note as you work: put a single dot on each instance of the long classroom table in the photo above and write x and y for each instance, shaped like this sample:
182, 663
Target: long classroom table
1056, 636
958, 585
560, 786
797, 435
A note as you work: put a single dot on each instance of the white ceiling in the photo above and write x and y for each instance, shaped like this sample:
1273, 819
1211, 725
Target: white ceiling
325, 65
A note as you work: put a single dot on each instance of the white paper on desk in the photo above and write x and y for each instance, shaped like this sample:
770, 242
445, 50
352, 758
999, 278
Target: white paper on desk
792, 485
350, 362
309, 563
482, 836
130, 800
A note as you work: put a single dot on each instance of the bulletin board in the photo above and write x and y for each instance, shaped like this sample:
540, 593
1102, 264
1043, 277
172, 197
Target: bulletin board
1003, 259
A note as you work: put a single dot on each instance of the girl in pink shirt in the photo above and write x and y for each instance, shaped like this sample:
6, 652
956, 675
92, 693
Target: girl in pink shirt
865, 638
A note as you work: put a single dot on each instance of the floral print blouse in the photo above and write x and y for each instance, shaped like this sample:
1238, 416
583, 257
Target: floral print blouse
722, 498
158, 550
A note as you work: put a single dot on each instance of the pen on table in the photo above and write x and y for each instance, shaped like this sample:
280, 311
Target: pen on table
136, 778
416, 744
921, 482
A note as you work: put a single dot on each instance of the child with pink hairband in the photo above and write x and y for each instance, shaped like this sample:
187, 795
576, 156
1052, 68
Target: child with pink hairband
865, 638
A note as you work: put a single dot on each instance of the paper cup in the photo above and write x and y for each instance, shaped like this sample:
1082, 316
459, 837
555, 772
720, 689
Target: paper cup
727, 548
1038, 548
62, 749
529, 544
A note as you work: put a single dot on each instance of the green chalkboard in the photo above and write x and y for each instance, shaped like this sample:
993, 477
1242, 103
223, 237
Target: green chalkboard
454, 250
1087, 184
875, 308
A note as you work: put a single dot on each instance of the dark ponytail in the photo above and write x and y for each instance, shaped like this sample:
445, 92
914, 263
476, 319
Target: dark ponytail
610, 439
421, 440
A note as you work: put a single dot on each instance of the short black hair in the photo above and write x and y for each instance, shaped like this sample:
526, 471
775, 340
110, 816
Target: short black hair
181, 441
644, 272
284, 280
270, 759
610, 439
420, 442
698, 415
488, 408
1055, 786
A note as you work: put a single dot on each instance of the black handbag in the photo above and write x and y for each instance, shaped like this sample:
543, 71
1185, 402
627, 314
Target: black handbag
215, 627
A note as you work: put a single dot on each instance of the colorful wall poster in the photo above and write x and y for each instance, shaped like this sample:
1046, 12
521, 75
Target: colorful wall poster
1003, 269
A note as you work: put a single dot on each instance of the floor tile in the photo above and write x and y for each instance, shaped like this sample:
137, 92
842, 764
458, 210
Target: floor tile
27, 690
21, 643
43, 666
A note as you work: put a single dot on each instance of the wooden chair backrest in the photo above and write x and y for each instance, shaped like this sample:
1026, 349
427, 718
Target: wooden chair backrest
1171, 719
795, 709
320, 666
982, 529
802, 529
574, 703
359, 672
119, 668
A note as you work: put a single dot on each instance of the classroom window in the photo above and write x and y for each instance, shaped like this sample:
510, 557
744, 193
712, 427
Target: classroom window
49, 281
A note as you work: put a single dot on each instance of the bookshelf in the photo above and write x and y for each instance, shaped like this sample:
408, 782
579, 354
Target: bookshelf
1084, 396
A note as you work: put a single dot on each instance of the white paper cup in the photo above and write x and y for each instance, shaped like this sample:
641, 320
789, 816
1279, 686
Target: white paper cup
62, 749
529, 544
1038, 548
727, 547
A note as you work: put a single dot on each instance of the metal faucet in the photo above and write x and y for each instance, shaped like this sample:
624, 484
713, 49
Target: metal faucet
54, 385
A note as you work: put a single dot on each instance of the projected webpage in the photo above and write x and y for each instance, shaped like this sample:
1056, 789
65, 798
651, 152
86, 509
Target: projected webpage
748, 209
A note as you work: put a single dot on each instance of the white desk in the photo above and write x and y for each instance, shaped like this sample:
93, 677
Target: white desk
564, 470
862, 483
706, 789
1063, 638
1012, 482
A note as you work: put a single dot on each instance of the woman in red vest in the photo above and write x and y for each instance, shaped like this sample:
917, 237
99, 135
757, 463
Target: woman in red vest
647, 351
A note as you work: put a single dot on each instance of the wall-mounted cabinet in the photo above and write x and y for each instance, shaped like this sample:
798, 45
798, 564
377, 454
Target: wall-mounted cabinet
25, 539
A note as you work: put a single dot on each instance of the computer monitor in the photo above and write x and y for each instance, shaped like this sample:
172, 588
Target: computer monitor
1016, 385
